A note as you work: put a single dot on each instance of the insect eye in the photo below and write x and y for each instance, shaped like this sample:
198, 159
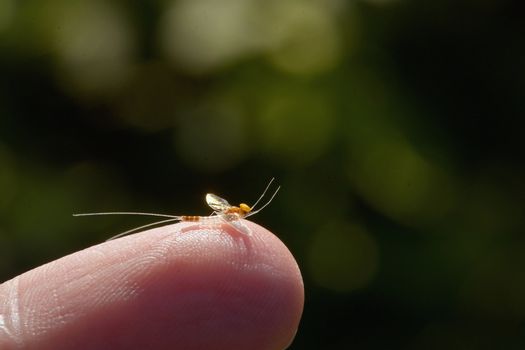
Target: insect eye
245, 207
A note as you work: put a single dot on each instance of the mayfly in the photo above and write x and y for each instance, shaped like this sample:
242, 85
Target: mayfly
222, 212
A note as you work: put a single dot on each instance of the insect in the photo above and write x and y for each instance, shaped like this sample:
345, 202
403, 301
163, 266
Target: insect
222, 212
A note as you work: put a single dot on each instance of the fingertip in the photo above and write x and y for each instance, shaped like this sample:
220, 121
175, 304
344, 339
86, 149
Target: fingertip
178, 286
251, 284
282, 286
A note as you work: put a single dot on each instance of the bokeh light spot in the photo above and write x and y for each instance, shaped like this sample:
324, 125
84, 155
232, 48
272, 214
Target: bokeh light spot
343, 257
7, 12
396, 179
201, 35
296, 126
94, 44
306, 40
204, 35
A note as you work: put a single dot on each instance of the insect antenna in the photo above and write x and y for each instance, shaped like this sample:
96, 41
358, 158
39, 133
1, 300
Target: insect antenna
265, 204
264, 192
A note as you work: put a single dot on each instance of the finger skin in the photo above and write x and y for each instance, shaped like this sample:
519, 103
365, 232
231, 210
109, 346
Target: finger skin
181, 286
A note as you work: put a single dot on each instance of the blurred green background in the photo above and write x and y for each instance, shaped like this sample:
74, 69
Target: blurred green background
395, 128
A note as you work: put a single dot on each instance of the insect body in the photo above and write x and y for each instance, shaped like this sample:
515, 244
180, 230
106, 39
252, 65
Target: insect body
222, 212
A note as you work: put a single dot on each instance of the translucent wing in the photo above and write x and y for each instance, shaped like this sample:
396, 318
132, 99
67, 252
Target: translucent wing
235, 222
241, 227
217, 203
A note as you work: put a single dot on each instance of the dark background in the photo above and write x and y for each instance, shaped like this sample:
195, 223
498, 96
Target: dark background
395, 128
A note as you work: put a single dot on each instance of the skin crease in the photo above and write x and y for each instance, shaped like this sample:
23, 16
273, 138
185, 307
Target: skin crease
181, 286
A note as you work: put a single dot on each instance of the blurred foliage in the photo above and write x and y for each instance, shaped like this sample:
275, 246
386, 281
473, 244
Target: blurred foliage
396, 129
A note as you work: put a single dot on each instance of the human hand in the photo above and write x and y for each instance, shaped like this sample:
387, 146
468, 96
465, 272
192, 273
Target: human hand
179, 286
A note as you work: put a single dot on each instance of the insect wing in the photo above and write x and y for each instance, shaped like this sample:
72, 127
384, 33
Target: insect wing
241, 227
217, 203
235, 222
